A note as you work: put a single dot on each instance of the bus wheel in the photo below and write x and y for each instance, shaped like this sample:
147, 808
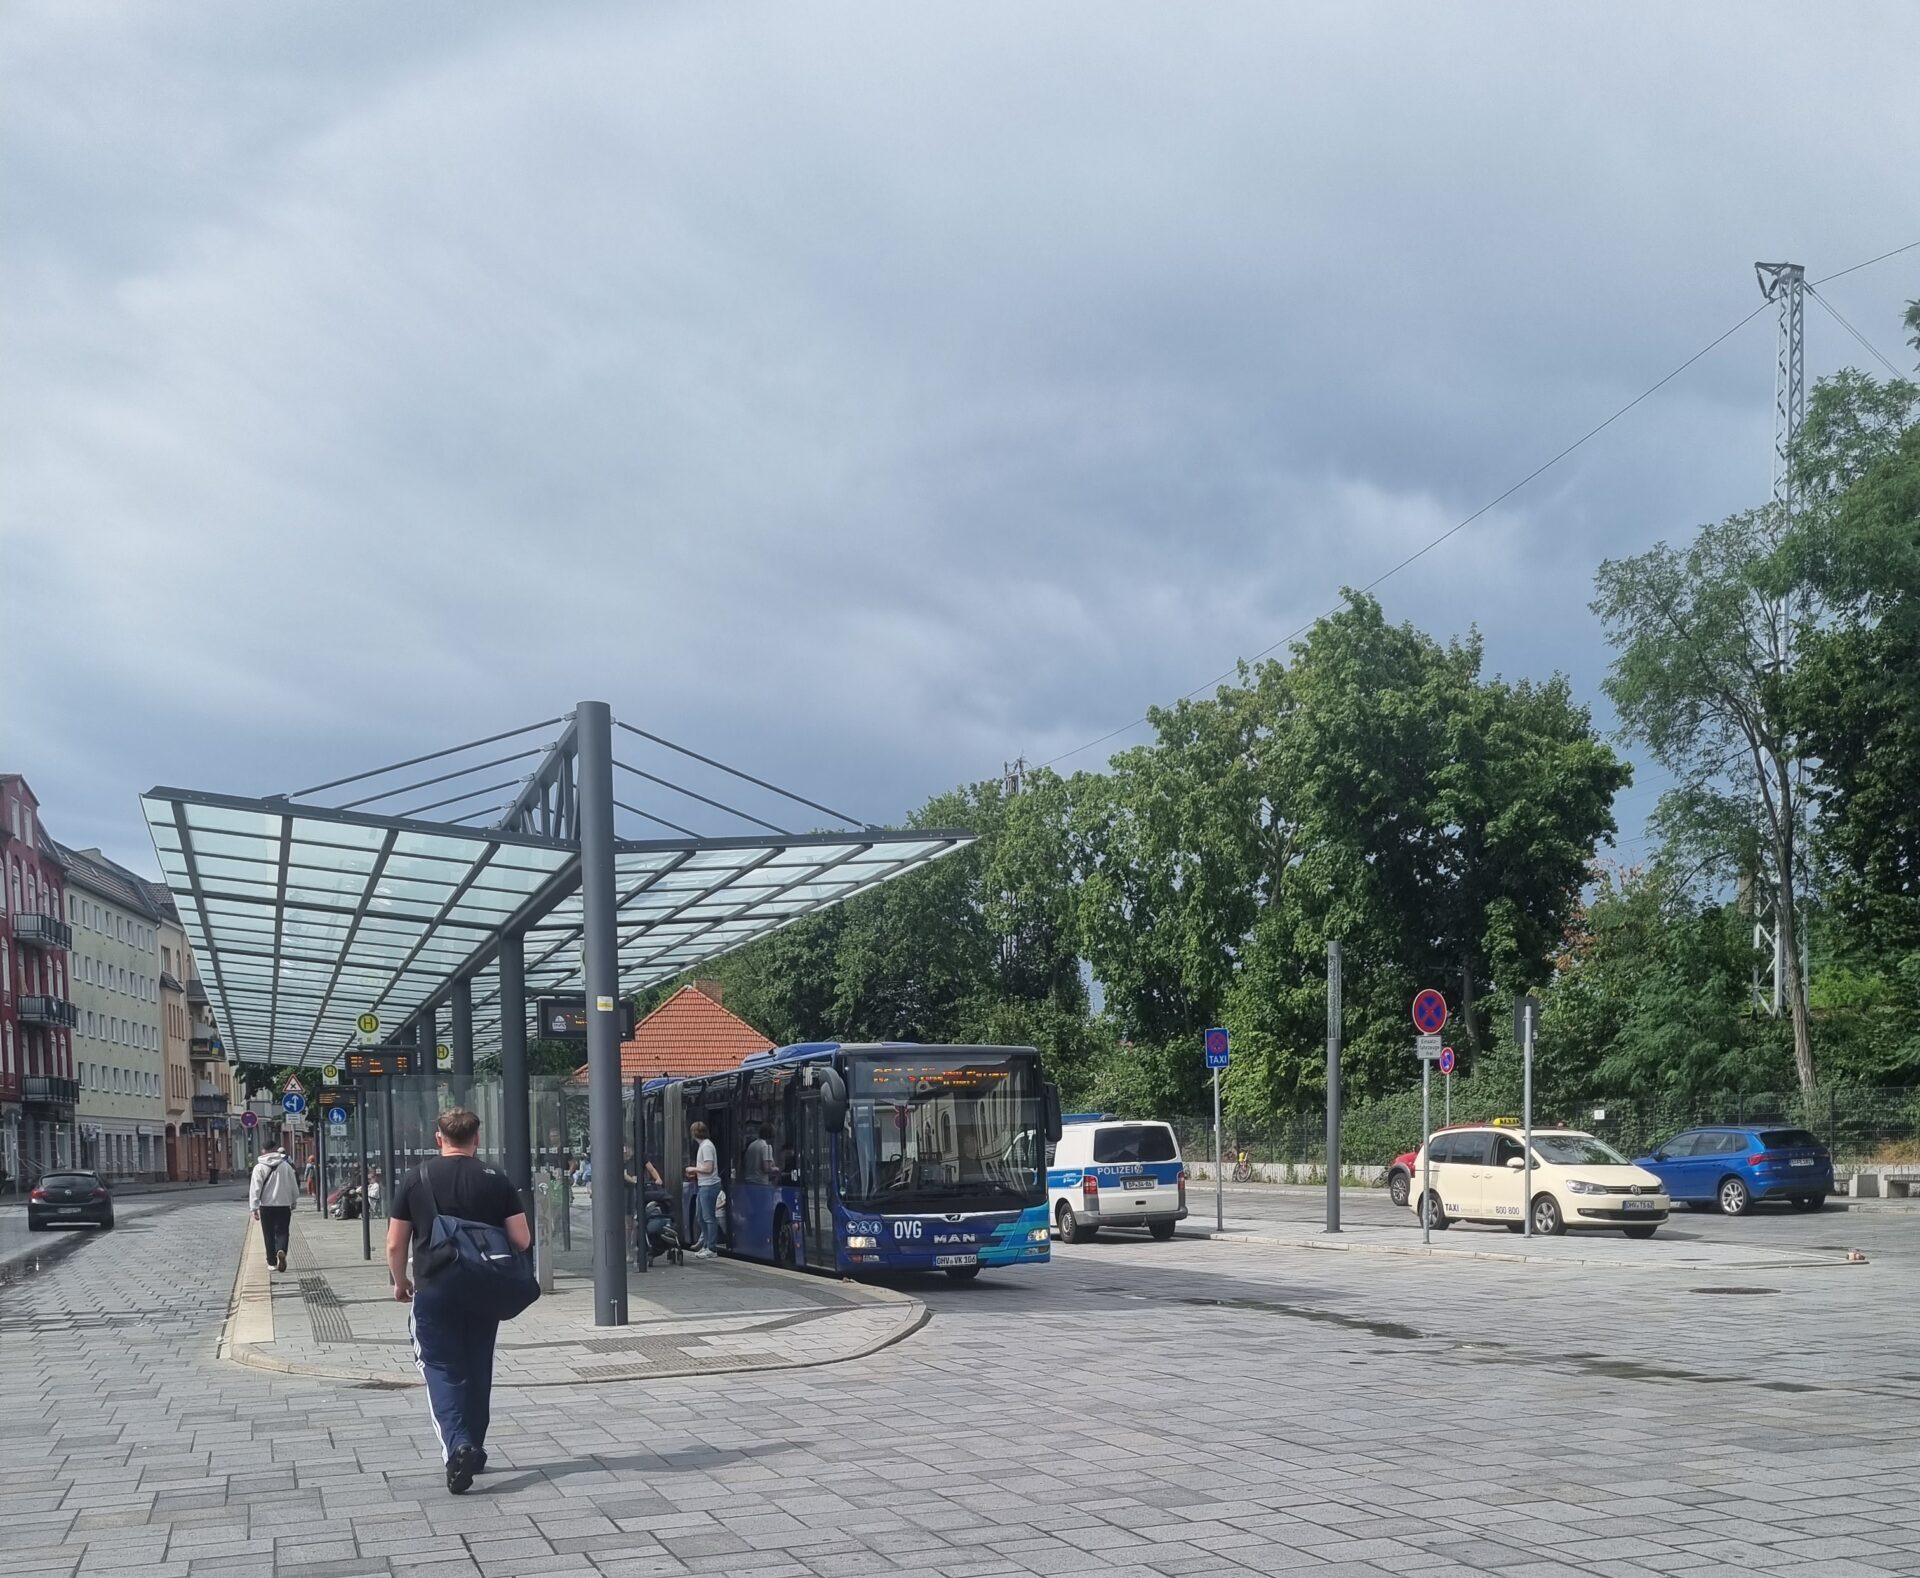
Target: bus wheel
963, 1273
782, 1240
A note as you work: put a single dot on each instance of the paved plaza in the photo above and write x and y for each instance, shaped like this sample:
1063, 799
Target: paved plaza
1133, 1408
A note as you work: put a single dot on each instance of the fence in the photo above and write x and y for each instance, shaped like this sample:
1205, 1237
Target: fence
1860, 1125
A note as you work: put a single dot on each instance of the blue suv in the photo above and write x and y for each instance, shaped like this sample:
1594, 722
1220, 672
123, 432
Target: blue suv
1735, 1166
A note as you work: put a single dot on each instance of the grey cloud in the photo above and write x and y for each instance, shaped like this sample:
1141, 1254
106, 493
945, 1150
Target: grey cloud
868, 393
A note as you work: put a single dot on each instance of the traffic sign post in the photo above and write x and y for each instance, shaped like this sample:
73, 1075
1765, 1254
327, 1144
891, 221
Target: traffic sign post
1429, 1018
1426, 1153
1333, 1087
1219, 1051
1526, 1018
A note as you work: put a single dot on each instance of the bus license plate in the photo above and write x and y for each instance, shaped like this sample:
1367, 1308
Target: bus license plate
942, 1261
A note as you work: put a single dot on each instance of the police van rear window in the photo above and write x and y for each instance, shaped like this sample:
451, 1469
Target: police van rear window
1135, 1142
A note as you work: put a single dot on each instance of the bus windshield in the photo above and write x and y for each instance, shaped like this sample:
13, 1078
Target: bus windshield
944, 1131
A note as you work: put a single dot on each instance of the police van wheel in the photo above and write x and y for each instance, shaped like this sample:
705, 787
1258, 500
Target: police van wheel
963, 1273
1161, 1230
1071, 1232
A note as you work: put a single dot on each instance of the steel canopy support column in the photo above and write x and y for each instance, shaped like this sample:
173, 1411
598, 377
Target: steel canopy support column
516, 1121
463, 1036
593, 726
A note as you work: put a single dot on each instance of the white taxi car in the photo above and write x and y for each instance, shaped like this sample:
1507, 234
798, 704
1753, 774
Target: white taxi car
1479, 1175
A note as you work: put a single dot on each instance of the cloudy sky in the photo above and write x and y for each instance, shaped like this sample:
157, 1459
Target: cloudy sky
867, 393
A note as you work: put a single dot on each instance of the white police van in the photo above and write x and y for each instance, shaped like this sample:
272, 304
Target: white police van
1108, 1172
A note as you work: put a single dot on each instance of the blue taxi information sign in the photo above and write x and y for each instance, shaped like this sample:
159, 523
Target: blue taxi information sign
1217, 1049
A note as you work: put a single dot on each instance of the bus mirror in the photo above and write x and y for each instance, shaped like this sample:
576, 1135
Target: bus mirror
1053, 1111
833, 1100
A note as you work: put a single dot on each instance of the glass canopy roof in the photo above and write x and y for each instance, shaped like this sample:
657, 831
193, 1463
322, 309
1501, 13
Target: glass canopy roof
305, 917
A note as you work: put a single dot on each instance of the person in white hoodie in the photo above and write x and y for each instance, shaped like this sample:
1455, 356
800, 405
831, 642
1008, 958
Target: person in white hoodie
271, 1194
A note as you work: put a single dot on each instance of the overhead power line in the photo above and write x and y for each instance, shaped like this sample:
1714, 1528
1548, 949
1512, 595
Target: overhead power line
1454, 530
1461, 525
1869, 263
1866, 344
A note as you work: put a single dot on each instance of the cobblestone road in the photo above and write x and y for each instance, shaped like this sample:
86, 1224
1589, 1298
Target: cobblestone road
1135, 1408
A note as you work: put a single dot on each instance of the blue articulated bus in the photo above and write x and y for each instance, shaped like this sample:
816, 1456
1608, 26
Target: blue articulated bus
862, 1159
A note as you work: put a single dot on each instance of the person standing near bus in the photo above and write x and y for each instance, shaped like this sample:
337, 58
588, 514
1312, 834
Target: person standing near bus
704, 1175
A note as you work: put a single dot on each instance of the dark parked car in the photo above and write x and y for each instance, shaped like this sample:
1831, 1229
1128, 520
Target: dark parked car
1732, 1166
67, 1200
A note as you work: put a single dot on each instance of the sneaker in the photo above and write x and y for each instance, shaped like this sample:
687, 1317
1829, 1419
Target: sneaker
461, 1468
280, 1261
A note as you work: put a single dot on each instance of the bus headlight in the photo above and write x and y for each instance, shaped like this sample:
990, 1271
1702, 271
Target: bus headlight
1039, 1235
862, 1241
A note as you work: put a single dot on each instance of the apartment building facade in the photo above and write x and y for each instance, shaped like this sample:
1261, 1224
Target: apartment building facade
37, 1087
119, 1034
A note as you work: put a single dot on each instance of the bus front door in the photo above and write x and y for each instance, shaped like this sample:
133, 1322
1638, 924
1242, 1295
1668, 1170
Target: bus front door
816, 1183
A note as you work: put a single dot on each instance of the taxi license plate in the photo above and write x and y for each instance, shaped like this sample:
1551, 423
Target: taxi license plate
1641, 1205
1803, 1161
941, 1261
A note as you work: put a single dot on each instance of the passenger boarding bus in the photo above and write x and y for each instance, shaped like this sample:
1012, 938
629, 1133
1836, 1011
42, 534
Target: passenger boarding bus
855, 1159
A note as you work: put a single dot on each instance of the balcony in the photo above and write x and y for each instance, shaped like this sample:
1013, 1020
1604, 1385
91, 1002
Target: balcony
55, 1011
42, 931
209, 1106
42, 1090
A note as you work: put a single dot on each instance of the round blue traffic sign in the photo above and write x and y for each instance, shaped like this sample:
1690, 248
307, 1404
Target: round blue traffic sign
1446, 1060
337, 1115
292, 1103
1429, 1012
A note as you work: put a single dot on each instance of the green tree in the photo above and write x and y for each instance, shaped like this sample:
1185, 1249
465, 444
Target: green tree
1857, 700
1652, 998
1706, 640
1376, 789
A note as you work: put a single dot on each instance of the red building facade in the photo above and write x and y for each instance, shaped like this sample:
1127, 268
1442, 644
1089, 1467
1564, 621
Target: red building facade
38, 1092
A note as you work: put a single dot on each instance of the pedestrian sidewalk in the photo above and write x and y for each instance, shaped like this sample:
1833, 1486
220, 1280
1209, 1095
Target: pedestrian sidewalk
332, 1314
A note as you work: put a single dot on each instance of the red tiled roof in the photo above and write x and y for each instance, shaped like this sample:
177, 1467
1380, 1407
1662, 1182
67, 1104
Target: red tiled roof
687, 1034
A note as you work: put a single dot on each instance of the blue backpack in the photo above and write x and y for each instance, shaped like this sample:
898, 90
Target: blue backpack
474, 1263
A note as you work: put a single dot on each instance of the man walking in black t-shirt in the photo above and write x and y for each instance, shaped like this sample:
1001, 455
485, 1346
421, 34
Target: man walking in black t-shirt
453, 1346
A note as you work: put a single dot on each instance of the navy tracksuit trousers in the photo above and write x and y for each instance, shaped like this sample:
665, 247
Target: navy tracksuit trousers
455, 1353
